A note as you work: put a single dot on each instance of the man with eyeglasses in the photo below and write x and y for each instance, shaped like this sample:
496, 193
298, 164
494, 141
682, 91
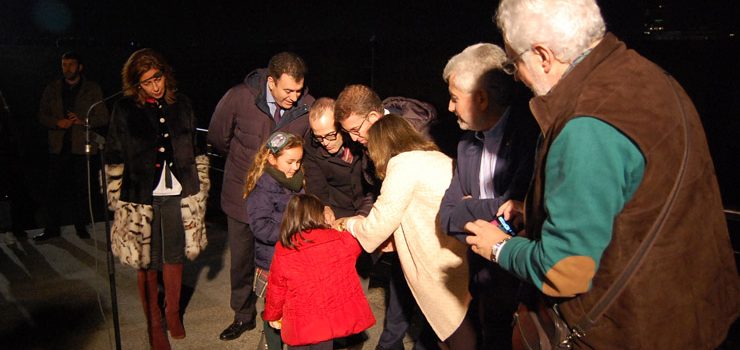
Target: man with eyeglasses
357, 108
268, 100
333, 165
623, 173
495, 157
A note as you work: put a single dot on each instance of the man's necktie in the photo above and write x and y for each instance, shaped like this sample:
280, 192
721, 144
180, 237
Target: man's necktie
276, 116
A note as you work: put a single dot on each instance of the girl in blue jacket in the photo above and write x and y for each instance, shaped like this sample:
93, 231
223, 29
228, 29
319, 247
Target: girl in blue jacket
275, 176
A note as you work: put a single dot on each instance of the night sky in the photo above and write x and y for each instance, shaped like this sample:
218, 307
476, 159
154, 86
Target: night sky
171, 22
398, 47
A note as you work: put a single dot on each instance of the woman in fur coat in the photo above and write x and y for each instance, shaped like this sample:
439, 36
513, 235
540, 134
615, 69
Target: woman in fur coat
157, 186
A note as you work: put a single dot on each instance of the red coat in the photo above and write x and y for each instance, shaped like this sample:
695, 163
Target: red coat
316, 290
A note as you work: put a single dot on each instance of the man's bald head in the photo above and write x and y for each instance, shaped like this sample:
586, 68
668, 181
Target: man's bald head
323, 126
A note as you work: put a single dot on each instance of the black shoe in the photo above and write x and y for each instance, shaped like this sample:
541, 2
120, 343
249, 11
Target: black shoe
236, 329
46, 235
82, 232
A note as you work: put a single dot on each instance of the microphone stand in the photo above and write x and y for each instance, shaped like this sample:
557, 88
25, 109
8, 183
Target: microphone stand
104, 188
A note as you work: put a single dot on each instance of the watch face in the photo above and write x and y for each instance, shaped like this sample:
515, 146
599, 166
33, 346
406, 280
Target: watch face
496, 247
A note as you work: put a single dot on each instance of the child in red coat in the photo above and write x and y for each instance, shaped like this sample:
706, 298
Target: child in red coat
313, 292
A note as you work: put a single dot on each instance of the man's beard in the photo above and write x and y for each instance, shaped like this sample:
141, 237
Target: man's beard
539, 87
539, 84
71, 75
462, 124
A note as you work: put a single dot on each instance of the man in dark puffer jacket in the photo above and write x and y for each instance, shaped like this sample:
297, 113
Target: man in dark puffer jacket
268, 100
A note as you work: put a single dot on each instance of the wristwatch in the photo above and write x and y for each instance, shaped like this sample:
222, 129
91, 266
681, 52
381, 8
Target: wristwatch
496, 247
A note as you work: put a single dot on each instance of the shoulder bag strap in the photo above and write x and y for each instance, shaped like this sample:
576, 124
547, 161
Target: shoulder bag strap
588, 321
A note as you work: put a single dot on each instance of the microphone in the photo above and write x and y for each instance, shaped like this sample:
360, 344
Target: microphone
88, 145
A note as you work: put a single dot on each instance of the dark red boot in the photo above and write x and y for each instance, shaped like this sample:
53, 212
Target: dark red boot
172, 287
157, 336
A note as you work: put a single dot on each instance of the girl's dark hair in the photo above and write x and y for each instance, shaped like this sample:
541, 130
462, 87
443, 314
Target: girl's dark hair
304, 212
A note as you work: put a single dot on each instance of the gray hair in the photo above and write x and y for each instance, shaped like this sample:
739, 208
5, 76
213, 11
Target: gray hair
479, 67
567, 27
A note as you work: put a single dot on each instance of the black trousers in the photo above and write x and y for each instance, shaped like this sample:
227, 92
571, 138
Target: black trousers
494, 301
168, 234
67, 190
463, 338
400, 305
241, 245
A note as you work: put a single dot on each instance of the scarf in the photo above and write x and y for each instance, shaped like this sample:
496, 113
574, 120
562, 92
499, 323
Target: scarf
294, 184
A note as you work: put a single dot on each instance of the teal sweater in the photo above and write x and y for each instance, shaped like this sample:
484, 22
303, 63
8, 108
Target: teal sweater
592, 171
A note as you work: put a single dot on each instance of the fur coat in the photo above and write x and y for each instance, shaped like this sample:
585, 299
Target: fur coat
136, 137
131, 230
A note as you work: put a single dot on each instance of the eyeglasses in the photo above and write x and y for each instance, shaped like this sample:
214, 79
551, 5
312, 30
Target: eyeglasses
509, 66
356, 130
332, 136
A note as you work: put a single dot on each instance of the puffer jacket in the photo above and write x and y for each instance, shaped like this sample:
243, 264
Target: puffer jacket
315, 289
240, 124
420, 114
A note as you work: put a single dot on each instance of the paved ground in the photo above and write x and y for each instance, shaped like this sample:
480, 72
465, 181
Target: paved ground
56, 295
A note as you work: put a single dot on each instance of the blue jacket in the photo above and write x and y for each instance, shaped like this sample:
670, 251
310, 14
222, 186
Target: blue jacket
514, 169
265, 207
515, 161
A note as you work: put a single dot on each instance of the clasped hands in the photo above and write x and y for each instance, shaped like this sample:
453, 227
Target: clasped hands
70, 119
341, 225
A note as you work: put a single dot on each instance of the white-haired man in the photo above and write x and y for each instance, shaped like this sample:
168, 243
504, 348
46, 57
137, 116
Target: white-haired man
623, 154
494, 168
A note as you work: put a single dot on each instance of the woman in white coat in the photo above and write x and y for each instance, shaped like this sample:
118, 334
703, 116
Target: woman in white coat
415, 177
